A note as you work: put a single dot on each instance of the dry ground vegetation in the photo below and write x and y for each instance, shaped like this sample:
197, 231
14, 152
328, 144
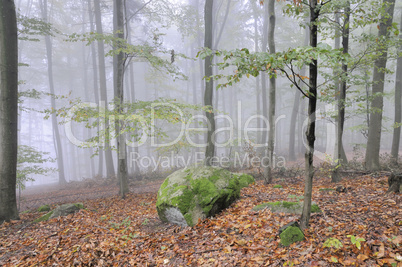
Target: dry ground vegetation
360, 226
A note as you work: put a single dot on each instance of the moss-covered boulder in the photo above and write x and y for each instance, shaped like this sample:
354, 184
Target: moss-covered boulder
198, 192
62, 210
286, 207
290, 233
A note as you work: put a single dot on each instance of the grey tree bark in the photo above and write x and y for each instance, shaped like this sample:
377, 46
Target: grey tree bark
208, 96
55, 125
372, 158
396, 137
95, 81
339, 157
118, 77
110, 172
8, 110
272, 95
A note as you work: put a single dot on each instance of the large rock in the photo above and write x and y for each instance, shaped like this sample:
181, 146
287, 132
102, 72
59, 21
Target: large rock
190, 194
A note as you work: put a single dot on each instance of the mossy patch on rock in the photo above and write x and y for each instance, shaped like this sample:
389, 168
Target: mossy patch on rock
198, 192
286, 207
62, 210
44, 208
44, 217
291, 235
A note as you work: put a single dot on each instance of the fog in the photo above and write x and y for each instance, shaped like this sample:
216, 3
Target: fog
178, 26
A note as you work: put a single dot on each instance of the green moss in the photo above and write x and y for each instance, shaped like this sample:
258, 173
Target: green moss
291, 235
315, 208
44, 217
44, 208
278, 186
244, 179
79, 205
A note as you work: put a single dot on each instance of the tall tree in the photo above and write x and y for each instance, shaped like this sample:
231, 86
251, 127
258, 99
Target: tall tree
119, 97
8, 110
208, 96
55, 125
103, 89
342, 97
315, 10
398, 110
95, 80
272, 95
372, 158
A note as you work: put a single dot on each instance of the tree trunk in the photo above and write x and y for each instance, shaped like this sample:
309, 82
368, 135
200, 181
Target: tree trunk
95, 82
8, 111
257, 80
119, 95
56, 132
339, 160
210, 149
394, 183
310, 133
110, 172
272, 96
398, 110
264, 93
372, 158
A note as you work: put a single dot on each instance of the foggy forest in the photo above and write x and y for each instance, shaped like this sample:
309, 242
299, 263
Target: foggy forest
200, 133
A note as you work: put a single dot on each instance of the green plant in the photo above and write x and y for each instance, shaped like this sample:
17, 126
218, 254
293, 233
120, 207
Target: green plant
29, 163
332, 243
145, 222
278, 186
356, 240
125, 223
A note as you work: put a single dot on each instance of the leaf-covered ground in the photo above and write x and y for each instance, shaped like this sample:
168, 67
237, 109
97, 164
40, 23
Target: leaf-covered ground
114, 232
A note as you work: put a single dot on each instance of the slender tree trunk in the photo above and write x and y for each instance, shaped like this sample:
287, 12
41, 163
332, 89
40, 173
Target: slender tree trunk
272, 96
340, 160
95, 82
119, 95
110, 172
372, 159
398, 110
208, 101
56, 132
257, 80
312, 105
264, 93
8, 111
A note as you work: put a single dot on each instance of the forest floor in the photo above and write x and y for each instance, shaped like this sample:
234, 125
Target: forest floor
115, 232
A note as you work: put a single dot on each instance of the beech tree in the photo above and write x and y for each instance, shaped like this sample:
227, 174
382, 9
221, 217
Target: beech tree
209, 87
8, 110
372, 158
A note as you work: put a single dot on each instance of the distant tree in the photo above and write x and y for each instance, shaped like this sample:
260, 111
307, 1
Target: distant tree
209, 87
8, 110
398, 98
372, 159
342, 97
110, 171
56, 132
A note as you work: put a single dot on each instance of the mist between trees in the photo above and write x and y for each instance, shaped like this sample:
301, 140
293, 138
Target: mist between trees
259, 64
